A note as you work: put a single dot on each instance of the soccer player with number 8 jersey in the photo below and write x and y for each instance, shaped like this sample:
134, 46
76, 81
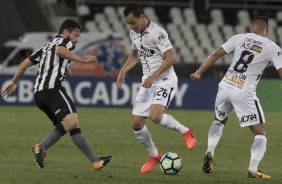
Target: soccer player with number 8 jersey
252, 53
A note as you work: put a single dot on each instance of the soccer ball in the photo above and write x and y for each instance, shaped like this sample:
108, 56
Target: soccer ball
171, 163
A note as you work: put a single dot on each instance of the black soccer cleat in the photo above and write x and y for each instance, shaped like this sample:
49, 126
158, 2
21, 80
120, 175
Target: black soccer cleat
208, 163
102, 162
39, 155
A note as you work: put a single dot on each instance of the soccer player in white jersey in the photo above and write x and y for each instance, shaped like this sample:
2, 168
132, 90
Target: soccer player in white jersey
151, 45
252, 53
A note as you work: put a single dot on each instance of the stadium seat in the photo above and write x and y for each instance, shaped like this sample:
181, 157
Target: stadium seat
188, 35
243, 17
192, 38
279, 17
186, 56
176, 15
150, 13
51, 1
102, 22
91, 26
120, 11
83, 10
199, 54
216, 17
272, 34
227, 31
171, 28
190, 16
279, 35
240, 29
111, 14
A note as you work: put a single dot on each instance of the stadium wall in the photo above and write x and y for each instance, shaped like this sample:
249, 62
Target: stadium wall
102, 92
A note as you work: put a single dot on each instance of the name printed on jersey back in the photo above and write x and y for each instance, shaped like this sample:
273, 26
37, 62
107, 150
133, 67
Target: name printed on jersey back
251, 44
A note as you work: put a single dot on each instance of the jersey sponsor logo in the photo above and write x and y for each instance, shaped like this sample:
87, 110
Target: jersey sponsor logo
251, 44
146, 53
256, 48
248, 118
161, 37
235, 78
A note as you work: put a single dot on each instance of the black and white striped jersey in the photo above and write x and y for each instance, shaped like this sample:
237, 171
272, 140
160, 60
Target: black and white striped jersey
52, 68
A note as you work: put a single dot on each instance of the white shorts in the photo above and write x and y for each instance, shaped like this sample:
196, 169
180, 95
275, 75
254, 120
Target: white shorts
246, 106
161, 93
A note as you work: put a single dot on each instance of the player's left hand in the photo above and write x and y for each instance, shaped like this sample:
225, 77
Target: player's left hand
148, 82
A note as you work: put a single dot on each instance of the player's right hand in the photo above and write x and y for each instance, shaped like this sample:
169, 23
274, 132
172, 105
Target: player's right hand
89, 58
195, 76
11, 87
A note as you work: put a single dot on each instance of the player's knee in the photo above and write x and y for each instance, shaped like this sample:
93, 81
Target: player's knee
258, 129
155, 118
70, 122
138, 122
137, 126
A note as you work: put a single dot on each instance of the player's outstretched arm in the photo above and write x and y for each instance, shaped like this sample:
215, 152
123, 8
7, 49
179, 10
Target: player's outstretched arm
130, 63
65, 53
11, 87
208, 62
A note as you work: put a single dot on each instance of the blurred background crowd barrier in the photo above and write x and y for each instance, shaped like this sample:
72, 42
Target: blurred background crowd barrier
195, 28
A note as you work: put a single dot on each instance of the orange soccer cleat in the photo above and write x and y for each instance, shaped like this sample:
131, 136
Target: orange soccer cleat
190, 138
152, 161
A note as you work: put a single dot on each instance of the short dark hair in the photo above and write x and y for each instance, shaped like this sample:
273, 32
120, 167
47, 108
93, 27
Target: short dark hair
261, 20
133, 8
70, 25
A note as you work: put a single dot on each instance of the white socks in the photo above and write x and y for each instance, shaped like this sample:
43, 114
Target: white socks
144, 136
257, 152
169, 122
214, 136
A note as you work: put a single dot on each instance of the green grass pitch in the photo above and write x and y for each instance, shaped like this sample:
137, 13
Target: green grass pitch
109, 132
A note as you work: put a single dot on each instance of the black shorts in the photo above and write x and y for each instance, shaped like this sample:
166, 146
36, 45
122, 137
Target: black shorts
56, 103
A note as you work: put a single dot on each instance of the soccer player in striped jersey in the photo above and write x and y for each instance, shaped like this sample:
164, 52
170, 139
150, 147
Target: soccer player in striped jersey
151, 45
50, 95
252, 53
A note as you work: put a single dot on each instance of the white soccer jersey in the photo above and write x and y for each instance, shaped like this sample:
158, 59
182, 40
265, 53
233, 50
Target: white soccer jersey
252, 54
151, 44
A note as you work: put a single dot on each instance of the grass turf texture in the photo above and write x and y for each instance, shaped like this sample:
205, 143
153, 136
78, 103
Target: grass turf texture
109, 132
